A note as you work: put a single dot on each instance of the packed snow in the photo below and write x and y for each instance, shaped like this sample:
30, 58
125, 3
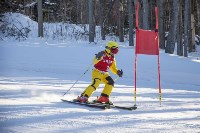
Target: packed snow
36, 72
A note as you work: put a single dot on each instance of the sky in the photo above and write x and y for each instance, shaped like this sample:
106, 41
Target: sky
36, 72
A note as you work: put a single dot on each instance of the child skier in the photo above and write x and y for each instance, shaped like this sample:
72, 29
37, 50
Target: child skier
102, 62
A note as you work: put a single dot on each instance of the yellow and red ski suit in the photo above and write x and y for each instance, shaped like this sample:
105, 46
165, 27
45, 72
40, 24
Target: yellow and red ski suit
100, 74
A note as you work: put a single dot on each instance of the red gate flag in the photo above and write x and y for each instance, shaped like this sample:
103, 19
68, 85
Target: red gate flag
147, 43
146, 40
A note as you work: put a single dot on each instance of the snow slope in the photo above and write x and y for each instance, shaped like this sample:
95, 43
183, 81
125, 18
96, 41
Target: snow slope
35, 73
33, 78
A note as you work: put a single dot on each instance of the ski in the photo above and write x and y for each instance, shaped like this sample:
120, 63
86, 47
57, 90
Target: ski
100, 105
123, 107
94, 105
119, 107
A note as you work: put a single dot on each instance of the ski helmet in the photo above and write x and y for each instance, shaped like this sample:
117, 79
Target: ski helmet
112, 47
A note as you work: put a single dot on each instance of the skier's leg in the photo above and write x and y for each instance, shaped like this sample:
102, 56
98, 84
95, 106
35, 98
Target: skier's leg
91, 88
109, 84
96, 80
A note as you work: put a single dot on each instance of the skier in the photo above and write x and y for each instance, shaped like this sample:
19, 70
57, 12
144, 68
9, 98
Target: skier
102, 62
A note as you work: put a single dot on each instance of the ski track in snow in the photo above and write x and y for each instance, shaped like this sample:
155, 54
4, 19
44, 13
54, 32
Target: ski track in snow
35, 107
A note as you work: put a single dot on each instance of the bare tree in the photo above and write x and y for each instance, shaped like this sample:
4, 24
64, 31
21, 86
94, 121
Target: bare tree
120, 20
140, 13
186, 22
40, 19
161, 24
198, 16
130, 10
145, 15
171, 39
192, 46
151, 14
180, 31
167, 15
189, 28
79, 11
102, 17
91, 21
87, 11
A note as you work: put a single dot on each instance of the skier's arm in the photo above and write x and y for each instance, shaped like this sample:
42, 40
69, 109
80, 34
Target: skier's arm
113, 67
98, 57
95, 60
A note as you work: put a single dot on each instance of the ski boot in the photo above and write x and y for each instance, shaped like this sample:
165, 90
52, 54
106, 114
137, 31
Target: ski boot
104, 100
82, 99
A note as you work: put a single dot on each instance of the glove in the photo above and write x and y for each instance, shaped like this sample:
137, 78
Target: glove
120, 73
99, 55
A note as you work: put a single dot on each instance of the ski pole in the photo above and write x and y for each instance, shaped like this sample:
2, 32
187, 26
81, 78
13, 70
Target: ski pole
78, 79
116, 78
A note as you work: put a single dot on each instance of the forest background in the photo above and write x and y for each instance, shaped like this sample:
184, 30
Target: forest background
179, 20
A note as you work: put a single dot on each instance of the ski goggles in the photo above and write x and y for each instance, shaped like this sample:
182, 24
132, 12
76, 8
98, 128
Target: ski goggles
114, 50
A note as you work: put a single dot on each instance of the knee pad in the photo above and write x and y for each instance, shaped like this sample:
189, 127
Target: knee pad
110, 81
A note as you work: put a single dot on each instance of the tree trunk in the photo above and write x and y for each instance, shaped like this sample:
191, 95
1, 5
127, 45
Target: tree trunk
84, 12
168, 10
198, 16
134, 17
186, 22
65, 11
151, 16
140, 14
189, 28
193, 33
120, 20
78, 11
171, 39
91, 21
180, 31
102, 5
40, 19
145, 15
130, 16
161, 24
87, 11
